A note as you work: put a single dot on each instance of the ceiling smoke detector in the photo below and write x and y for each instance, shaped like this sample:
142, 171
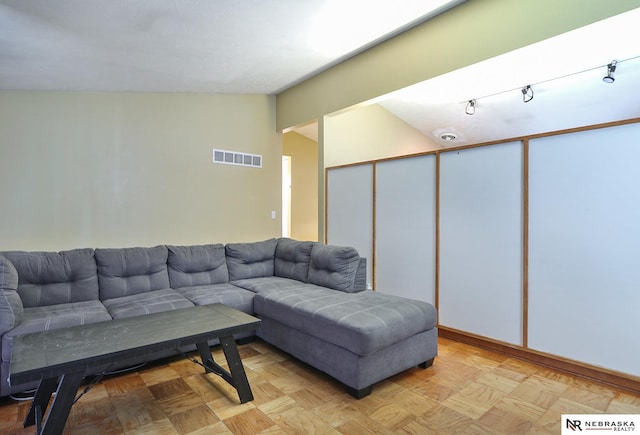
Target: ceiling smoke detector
448, 137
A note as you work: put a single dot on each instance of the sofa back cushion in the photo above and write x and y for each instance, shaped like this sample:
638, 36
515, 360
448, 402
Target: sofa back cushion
251, 260
335, 267
292, 259
52, 278
130, 271
197, 265
11, 308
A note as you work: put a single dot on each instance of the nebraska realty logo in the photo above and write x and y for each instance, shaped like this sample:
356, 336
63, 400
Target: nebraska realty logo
572, 423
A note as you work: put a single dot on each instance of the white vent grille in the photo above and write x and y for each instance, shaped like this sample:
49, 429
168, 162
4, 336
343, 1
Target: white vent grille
235, 158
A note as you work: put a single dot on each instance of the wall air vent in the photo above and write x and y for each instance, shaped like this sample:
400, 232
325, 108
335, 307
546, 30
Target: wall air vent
235, 158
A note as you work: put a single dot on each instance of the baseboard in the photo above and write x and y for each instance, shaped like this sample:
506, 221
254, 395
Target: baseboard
593, 373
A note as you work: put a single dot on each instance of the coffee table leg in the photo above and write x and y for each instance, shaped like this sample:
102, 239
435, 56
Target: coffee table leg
40, 400
237, 378
238, 374
65, 396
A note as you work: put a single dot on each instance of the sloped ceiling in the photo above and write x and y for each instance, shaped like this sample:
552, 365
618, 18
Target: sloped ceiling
264, 47
565, 74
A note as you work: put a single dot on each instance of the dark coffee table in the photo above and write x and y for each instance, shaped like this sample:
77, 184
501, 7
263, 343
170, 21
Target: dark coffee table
60, 358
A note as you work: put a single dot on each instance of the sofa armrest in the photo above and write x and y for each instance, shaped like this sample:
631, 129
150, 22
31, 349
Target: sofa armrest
337, 267
360, 282
11, 308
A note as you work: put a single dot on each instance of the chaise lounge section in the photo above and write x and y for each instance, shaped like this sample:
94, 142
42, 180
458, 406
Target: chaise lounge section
311, 298
323, 315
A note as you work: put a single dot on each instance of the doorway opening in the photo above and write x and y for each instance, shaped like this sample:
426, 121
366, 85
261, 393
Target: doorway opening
286, 196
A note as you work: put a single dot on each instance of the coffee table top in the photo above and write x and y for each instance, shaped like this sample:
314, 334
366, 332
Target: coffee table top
49, 354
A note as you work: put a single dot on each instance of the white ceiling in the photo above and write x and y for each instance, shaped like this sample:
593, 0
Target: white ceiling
215, 46
565, 73
266, 46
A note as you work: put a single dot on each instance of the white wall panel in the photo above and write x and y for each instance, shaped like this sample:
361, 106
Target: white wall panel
584, 234
350, 209
481, 241
405, 227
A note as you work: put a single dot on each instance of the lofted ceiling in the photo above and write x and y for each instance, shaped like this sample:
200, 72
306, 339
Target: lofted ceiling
565, 74
266, 46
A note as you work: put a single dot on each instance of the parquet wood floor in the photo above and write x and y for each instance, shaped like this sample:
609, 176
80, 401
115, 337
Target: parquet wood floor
467, 391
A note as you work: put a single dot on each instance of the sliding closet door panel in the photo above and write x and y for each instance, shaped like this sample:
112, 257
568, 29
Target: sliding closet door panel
481, 241
350, 209
584, 239
405, 227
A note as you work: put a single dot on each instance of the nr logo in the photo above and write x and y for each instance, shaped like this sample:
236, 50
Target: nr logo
574, 424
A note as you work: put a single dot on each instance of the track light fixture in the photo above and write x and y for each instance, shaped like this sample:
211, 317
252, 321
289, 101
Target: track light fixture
527, 91
527, 94
611, 68
471, 107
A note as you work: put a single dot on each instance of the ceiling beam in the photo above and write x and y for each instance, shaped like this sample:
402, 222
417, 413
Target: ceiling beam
469, 33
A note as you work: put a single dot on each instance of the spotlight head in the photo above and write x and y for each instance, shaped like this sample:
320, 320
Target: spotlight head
471, 107
527, 94
611, 68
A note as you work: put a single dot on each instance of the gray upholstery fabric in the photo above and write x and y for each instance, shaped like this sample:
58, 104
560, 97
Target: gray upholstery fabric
268, 284
292, 259
251, 260
334, 267
358, 337
130, 271
11, 308
49, 317
361, 276
197, 265
146, 303
363, 322
225, 293
52, 278
353, 370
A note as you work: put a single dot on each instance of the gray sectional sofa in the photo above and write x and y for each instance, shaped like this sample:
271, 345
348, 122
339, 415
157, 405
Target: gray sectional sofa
310, 297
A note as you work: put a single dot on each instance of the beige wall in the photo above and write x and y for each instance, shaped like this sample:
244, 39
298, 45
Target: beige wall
115, 170
474, 31
368, 133
304, 185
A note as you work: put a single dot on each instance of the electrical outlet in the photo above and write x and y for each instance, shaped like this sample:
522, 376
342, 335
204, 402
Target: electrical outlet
273, 214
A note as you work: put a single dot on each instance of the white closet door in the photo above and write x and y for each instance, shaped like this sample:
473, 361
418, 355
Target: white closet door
350, 209
584, 239
481, 241
405, 227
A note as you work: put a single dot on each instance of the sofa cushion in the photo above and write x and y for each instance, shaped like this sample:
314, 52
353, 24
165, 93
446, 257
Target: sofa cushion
146, 303
130, 271
11, 308
334, 267
225, 293
251, 260
361, 322
53, 278
197, 265
292, 259
267, 284
50, 317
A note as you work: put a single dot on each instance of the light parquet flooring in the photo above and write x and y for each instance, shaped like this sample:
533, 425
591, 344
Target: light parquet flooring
467, 391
